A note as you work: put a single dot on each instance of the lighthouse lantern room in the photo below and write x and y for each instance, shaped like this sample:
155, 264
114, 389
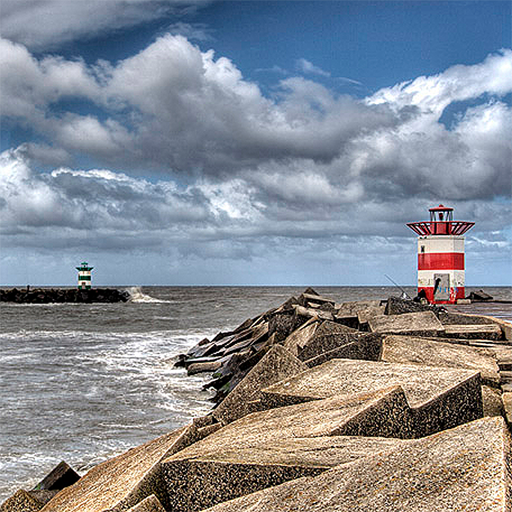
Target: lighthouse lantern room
84, 276
441, 256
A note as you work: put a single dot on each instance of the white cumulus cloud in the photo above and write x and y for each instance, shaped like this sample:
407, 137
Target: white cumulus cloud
40, 24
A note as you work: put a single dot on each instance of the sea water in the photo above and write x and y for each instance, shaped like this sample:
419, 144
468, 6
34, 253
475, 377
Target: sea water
85, 382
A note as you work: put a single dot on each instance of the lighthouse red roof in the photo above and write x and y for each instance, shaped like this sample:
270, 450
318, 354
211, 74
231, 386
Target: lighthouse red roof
441, 223
440, 208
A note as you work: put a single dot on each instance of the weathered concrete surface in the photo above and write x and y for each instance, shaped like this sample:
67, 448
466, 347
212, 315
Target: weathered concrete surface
150, 504
364, 346
276, 365
481, 332
507, 405
466, 468
316, 418
453, 318
364, 315
397, 306
343, 377
211, 366
312, 312
298, 338
21, 501
59, 477
327, 336
350, 309
416, 350
270, 447
441, 397
421, 324
506, 327
351, 350
492, 402
42, 495
121, 482
348, 312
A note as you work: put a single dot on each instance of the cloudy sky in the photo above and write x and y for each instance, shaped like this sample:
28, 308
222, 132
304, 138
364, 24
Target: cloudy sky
251, 142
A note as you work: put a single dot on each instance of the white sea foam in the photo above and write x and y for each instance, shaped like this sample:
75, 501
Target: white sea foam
136, 295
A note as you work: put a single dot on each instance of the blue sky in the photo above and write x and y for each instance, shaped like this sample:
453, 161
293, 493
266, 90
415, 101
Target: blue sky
251, 142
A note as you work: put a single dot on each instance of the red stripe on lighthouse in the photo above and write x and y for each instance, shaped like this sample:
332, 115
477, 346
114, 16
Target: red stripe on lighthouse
455, 294
441, 261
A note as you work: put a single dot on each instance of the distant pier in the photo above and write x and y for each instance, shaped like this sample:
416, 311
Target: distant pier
56, 295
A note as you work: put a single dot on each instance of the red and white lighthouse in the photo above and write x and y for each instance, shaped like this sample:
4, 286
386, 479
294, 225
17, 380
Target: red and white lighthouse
441, 256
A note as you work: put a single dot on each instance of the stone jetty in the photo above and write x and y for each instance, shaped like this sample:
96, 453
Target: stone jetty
387, 405
51, 295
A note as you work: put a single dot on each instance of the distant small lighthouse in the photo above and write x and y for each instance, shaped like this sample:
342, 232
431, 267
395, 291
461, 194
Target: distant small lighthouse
84, 276
441, 256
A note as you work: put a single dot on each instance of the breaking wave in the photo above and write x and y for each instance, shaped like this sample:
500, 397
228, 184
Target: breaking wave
137, 295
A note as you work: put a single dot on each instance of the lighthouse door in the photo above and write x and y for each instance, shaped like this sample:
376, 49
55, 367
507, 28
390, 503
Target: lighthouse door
441, 287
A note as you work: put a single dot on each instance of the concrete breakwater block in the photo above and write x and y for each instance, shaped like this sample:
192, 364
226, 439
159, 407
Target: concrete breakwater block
424, 323
122, 482
317, 341
301, 336
327, 335
364, 346
440, 398
505, 326
21, 501
348, 312
416, 350
350, 309
465, 468
59, 477
480, 332
397, 306
276, 365
150, 504
267, 448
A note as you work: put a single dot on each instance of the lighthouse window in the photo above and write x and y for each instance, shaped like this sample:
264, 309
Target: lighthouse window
422, 248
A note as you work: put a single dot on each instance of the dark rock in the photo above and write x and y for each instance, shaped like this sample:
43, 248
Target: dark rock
479, 296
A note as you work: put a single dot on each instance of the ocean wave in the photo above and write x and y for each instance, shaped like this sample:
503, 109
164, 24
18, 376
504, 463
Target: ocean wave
136, 295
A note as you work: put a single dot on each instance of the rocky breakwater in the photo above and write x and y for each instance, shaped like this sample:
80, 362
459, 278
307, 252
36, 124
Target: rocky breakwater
53, 295
387, 405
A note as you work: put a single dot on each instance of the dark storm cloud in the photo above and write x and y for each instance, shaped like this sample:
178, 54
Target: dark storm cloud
174, 108
261, 172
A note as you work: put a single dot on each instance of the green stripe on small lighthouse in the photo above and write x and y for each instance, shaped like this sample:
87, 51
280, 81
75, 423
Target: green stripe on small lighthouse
84, 276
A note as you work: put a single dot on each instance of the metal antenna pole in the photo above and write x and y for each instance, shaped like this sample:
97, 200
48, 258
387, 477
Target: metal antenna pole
398, 286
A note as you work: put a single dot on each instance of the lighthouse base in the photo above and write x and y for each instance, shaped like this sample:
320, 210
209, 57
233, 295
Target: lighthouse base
453, 295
